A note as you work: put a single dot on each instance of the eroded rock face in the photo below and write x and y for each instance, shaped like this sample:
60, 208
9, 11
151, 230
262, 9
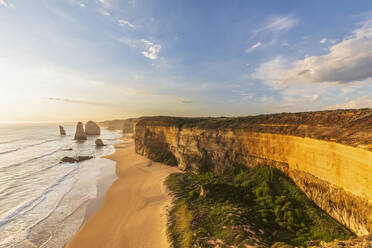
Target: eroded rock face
337, 177
91, 128
80, 133
99, 142
62, 130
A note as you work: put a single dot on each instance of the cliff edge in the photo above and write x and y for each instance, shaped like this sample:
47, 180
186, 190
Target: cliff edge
328, 154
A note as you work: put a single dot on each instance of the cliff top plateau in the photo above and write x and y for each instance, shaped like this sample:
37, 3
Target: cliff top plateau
350, 127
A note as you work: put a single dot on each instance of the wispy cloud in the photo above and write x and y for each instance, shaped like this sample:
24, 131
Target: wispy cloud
151, 49
253, 47
278, 24
79, 101
186, 101
6, 4
105, 3
106, 7
325, 40
123, 23
82, 5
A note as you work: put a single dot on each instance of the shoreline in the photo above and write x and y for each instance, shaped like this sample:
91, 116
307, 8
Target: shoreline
105, 180
133, 212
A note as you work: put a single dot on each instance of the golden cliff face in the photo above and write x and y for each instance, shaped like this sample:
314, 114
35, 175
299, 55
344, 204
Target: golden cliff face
337, 177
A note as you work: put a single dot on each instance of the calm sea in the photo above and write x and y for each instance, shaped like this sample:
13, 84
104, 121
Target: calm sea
43, 201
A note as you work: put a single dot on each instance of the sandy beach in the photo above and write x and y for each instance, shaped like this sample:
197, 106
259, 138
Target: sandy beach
133, 212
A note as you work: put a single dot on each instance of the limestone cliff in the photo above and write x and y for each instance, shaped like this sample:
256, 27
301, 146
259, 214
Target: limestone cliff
327, 154
125, 125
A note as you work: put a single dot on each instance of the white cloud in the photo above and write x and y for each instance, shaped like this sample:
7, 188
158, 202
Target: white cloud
315, 97
258, 44
82, 5
151, 49
348, 61
105, 3
273, 71
361, 102
6, 5
278, 24
323, 41
106, 7
123, 23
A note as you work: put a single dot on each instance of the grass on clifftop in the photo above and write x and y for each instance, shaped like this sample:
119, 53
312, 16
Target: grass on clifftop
249, 206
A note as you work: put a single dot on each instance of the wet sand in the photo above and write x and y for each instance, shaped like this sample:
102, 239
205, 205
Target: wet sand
133, 212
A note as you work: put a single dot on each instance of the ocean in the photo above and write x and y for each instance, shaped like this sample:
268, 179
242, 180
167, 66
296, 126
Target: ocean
42, 201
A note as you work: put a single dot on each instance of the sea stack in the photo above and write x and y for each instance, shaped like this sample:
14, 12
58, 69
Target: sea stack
62, 130
99, 142
91, 128
80, 133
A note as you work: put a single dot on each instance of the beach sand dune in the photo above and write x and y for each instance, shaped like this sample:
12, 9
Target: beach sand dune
133, 210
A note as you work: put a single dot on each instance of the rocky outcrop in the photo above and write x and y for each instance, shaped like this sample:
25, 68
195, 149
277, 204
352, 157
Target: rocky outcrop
80, 133
327, 154
62, 131
91, 128
99, 142
75, 160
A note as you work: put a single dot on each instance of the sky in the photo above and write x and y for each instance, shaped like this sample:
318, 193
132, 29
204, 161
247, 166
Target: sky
72, 60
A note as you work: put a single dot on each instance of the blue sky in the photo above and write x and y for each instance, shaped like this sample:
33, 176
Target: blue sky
67, 60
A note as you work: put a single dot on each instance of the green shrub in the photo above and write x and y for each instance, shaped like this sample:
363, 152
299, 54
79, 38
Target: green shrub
262, 197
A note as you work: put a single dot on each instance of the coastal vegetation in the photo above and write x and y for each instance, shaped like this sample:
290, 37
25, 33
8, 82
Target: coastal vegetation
257, 206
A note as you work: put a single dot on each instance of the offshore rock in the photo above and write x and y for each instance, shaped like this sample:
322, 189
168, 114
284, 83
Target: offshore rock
69, 160
80, 133
91, 128
62, 130
75, 160
83, 158
99, 142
